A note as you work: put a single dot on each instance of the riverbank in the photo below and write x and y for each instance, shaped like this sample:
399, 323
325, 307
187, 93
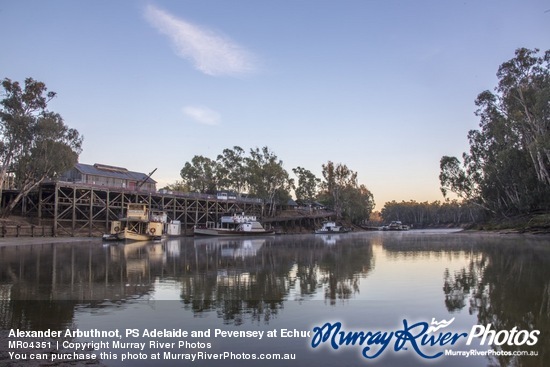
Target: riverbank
525, 224
535, 224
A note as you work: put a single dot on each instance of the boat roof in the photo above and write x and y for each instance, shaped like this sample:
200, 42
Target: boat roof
104, 170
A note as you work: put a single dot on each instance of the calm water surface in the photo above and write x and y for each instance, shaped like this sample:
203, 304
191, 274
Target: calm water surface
370, 281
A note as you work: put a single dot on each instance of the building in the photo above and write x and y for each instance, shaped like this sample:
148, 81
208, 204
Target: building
109, 177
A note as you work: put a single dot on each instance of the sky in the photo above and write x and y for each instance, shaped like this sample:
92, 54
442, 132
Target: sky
385, 87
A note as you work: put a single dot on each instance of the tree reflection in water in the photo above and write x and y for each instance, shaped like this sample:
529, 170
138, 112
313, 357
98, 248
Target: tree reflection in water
507, 285
506, 282
237, 279
238, 285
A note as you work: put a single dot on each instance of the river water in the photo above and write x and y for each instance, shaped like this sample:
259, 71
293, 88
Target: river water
415, 298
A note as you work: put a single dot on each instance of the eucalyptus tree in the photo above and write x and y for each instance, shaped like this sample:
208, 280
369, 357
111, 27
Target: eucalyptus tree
200, 175
341, 191
267, 179
179, 186
308, 184
232, 171
35, 143
337, 178
523, 100
358, 203
507, 170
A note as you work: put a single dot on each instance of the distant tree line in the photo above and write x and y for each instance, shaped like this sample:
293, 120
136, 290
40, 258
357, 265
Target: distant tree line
507, 170
434, 214
261, 174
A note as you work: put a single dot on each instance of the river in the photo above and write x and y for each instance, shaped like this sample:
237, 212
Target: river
414, 298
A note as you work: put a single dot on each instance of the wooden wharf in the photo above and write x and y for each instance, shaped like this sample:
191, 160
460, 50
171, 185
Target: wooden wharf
86, 210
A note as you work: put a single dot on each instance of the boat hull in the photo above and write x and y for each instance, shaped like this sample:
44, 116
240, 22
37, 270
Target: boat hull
128, 235
229, 232
320, 231
110, 237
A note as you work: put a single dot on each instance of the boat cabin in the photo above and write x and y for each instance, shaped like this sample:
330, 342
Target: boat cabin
137, 212
250, 227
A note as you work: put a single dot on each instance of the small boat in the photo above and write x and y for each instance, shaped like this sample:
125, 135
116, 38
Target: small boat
395, 225
330, 227
233, 225
139, 224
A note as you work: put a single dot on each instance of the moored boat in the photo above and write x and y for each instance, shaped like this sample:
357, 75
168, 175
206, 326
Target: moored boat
233, 225
330, 227
139, 224
395, 225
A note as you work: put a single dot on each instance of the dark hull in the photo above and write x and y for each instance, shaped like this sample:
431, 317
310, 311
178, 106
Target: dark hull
331, 232
229, 232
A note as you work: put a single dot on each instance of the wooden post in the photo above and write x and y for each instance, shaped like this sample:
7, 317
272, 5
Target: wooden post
91, 212
74, 213
185, 206
55, 209
40, 205
108, 203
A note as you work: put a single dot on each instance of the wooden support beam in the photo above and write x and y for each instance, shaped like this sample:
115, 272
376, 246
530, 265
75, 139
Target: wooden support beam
56, 203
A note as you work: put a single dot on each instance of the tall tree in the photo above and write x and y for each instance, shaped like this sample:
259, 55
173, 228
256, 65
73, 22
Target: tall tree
231, 169
507, 170
35, 143
267, 178
337, 178
200, 174
358, 203
308, 184
524, 96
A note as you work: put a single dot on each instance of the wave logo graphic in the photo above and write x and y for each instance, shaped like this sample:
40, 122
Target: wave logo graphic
436, 325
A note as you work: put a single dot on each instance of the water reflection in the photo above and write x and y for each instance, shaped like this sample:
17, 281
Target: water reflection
231, 276
502, 281
506, 283
506, 286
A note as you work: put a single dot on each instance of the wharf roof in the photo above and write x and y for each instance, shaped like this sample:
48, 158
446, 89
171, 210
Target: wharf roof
112, 172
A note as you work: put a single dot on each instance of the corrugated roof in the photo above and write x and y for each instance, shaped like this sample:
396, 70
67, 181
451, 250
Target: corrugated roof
112, 172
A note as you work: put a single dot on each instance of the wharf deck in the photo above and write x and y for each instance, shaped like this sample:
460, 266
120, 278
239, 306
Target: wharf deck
73, 209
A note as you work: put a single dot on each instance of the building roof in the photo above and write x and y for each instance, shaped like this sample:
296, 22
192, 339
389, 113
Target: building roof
112, 172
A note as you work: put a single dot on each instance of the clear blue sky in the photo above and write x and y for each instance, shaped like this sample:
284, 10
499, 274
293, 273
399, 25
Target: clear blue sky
385, 87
